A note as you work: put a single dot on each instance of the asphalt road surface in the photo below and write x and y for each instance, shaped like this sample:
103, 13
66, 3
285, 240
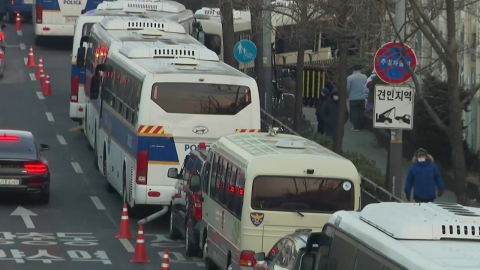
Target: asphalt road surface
77, 229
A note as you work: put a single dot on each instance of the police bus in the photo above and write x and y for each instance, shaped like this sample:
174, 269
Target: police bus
144, 9
53, 18
259, 187
157, 101
401, 236
111, 33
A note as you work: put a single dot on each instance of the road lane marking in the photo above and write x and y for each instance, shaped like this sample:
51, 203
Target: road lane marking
22, 46
61, 140
97, 203
49, 116
40, 95
25, 214
77, 167
128, 246
32, 76
19, 32
25, 59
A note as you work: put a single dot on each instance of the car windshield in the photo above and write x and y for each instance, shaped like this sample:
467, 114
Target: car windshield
281, 193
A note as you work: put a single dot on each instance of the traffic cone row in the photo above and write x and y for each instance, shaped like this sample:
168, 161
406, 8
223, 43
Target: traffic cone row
140, 255
44, 78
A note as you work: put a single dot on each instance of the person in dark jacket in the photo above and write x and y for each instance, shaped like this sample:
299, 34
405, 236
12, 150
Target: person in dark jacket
330, 112
423, 176
324, 94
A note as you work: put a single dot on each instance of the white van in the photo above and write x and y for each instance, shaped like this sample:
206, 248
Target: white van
259, 187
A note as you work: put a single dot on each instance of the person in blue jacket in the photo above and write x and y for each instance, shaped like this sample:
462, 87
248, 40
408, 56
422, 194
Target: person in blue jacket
423, 176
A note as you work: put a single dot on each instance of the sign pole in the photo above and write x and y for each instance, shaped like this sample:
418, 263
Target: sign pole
396, 135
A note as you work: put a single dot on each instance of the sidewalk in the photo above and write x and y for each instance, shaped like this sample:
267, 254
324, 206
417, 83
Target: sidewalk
366, 144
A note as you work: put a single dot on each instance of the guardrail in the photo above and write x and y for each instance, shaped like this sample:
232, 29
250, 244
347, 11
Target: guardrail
371, 192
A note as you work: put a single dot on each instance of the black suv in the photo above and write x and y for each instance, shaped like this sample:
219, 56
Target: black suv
186, 207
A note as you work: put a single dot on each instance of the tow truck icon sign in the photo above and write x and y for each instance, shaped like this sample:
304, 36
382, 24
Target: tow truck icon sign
385, 117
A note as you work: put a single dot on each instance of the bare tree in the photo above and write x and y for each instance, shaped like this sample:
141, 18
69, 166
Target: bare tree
446, 47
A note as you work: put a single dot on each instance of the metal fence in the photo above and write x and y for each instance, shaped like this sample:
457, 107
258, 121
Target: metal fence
371, 192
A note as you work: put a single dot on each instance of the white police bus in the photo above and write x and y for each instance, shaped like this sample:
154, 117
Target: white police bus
143, 9
157, 101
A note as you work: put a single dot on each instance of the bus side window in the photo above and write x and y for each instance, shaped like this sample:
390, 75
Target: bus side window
213, 178
224, 184
238, 197
231, 190
206, 174
219, 176
342, 251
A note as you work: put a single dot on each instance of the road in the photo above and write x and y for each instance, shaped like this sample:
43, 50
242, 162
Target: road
77, 228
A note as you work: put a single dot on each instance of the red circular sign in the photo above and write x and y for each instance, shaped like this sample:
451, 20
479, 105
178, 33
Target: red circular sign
389, 66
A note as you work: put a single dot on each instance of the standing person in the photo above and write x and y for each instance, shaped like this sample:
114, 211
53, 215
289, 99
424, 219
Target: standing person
324, 94
356, 94
423, 176
330, 112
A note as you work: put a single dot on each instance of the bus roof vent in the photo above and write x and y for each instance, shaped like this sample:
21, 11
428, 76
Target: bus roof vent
424, 221
213, 12
290, 144
135, 23
143, 6
168, 50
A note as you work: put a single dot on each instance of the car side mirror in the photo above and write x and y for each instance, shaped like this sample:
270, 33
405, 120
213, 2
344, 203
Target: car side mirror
260, 256
95, 87
307, 261
172, 173
81, 56
44, 147
195, 183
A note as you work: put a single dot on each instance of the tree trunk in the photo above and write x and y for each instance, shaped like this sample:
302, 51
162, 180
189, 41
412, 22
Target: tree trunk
298, 109
342, 96
455, 121
257, 38
226, 9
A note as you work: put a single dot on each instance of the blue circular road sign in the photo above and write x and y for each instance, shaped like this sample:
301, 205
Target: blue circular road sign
245, 51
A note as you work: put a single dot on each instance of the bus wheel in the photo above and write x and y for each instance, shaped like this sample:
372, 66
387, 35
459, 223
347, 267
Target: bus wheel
95, 159
209, 264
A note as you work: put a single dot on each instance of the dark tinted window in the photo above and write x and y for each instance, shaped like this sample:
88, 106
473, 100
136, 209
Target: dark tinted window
342, 252
213, 178
238, 196
274, 252
390, 266
194, 98
23, 148
367, 260
189, 167
298, 256
232, 177
86, 29
214, 43
302, 194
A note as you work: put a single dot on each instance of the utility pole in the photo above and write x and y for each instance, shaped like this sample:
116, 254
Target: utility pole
396, 144
267, 56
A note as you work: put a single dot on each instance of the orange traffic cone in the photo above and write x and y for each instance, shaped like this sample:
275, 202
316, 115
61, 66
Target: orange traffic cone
47, 90
18, 22
31, 59
124, 224
165, 261
140, 255
42, 80
39, 68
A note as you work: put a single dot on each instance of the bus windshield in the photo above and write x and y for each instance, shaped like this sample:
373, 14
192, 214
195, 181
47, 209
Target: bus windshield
281, 193
201, 98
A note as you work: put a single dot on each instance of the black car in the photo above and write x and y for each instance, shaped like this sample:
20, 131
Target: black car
288, 253
186, 207
22, 166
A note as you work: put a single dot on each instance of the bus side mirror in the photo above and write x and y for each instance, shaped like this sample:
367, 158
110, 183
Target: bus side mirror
201, 37
307, 261
81, 52
95, 87
172, 173
195, 183
81, 57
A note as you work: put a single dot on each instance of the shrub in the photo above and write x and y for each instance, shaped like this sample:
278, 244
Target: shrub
365, 166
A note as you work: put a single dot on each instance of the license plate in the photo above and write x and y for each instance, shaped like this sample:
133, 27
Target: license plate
71, 20
10, 182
